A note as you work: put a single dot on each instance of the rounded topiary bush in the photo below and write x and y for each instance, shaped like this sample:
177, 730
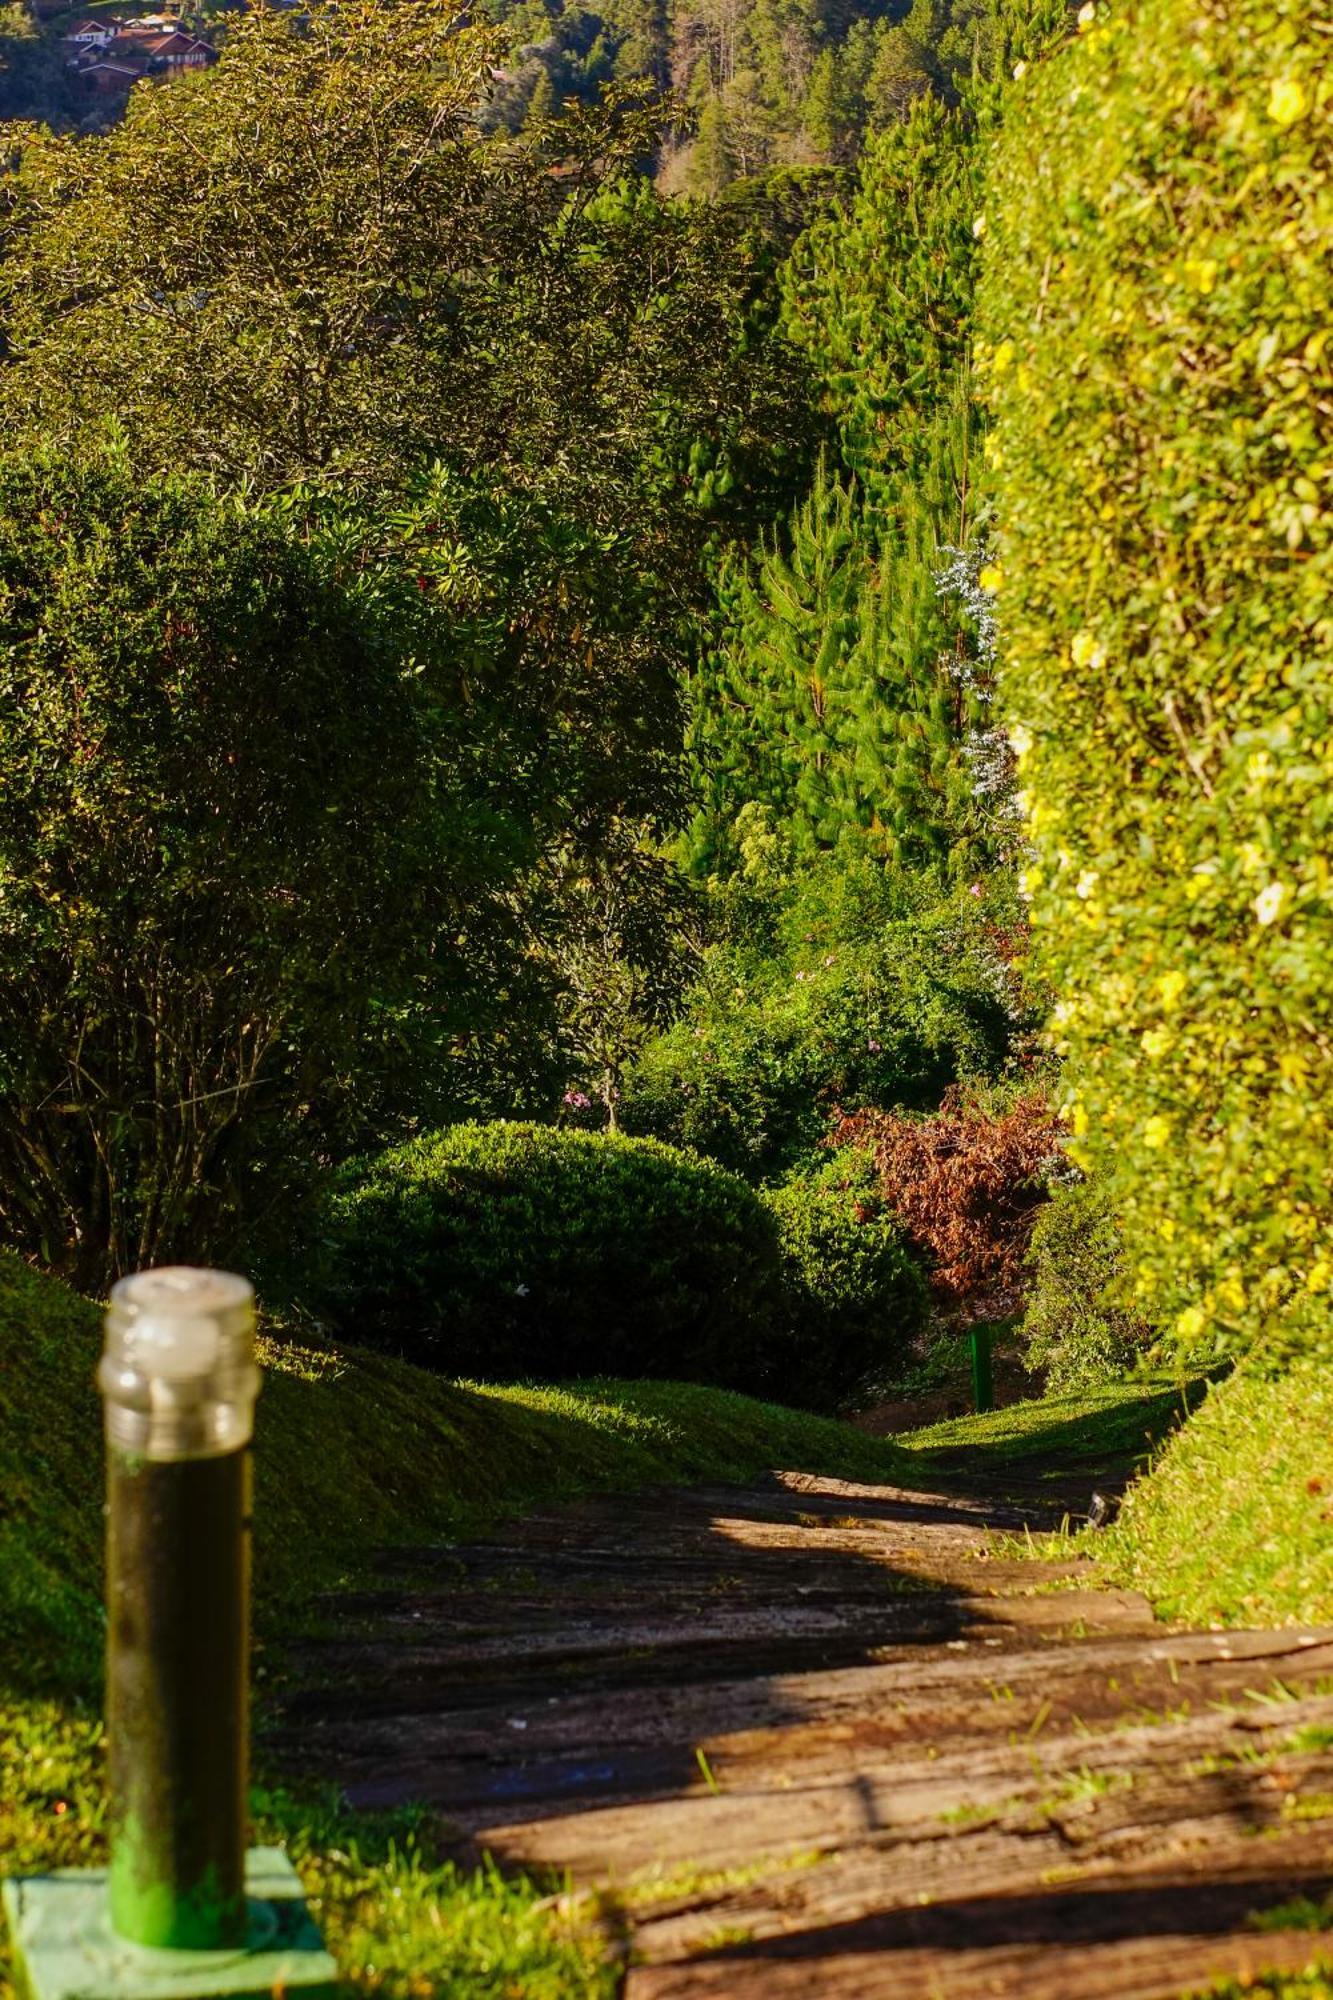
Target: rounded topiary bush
858, 1295
513, 1250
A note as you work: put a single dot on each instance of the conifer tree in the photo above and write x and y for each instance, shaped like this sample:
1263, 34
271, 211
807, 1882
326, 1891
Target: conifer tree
843, 690
711, 162
542, 103
838, 694
879, 294
824, 698
823, 116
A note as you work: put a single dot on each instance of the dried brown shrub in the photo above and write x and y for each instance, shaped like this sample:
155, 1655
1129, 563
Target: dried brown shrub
966, 1183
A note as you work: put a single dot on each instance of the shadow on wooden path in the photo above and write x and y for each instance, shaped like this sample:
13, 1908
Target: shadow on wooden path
832, 1740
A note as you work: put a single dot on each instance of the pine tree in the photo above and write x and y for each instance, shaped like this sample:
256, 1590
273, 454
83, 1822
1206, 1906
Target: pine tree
879, 294
824, 698
542, 105
711, 162
823, 118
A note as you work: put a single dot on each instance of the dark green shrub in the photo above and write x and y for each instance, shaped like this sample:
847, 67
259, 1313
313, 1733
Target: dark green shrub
1160, 374
512, 1250
1073, 1329
865, 993
858, 1294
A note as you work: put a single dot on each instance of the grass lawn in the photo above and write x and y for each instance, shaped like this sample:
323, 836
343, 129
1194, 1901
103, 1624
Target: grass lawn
1231, 1519
1234, 1523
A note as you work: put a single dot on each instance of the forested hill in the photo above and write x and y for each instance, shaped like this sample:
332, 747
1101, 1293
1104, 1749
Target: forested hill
748, 85
761, 83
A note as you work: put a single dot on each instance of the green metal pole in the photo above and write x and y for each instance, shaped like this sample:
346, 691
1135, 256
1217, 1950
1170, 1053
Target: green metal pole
179, 1381
983, 1371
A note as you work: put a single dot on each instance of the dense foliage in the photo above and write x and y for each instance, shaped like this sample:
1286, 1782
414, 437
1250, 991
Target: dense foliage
1073, 1329
1158, 371
879, 293
823, 698
756, 85
858, 1292
503, 413
547, 1253
967, 1184
834, 986
309, 265
228, 823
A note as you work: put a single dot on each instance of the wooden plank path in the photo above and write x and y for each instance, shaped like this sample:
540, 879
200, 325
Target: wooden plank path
841, 1741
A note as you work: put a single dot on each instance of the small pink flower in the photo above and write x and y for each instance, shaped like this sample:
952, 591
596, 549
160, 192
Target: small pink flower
975, 890
874, 1047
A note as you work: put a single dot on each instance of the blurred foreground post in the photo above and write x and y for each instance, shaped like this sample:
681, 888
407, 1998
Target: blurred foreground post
183, 1912
983, 1371
179, 1381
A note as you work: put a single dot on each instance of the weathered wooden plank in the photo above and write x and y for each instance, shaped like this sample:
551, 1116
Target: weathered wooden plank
834, 1738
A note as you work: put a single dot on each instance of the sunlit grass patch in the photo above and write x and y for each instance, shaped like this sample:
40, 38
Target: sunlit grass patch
400, 1921
1234, 1523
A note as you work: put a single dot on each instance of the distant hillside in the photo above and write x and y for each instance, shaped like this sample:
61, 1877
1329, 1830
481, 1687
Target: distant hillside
761, 83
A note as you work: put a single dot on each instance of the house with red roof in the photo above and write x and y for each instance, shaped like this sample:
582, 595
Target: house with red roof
113, 56
92, 35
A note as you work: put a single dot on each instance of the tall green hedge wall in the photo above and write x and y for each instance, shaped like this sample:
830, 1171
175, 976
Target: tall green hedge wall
1156, 345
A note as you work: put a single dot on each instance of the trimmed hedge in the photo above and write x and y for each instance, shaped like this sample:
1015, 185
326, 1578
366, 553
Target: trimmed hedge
513, 1250
1157, 355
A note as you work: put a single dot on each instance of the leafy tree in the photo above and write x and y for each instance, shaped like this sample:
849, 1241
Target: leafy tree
614, 941
1072, 1327
309, 266
824, 115
829, 985
227, 838
967, 1185
282, 784
834, 692
543, 102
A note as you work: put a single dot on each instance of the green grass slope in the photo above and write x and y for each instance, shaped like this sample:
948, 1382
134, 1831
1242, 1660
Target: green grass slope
1230, 1520
1100, 1432
353, 1451
1233, 1524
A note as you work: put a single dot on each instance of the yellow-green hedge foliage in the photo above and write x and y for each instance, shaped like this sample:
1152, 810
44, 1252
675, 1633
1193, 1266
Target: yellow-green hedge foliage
1156, 345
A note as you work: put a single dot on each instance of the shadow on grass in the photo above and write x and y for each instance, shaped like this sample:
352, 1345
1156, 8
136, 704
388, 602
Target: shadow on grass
1059, 1444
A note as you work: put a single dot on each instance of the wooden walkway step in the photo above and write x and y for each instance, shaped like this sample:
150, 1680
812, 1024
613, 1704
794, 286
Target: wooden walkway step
843, 1741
